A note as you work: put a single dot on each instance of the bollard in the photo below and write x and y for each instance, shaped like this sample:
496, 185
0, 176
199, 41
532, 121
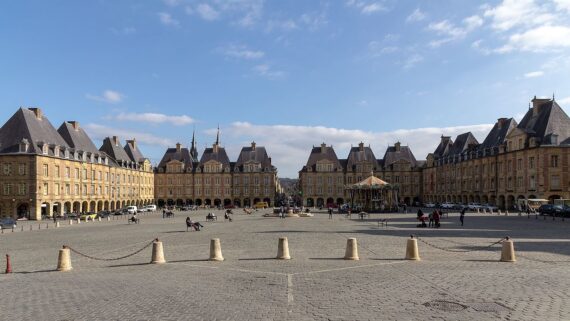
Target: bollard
508, 251
57, 224
507, 213
47, 226
22, 228
64, 260
351, 252
283, 249
8, 264
108, 218
157, 252
412, 252
499, 212
78, 221
99, 219
39, 226
477, 210
215, 250
70, 222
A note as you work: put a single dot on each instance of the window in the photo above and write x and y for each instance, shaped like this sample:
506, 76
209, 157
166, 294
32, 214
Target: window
56, 151
56, 189
76, 173
7, 189
46, 189
519, 164
57, 171
45, 149
554, 161
22, 169
67, 189
76, 189
84, 173
92, 174
67, 172
555, 182
532, 183
22, 189
531, 162
84, 189
46, 170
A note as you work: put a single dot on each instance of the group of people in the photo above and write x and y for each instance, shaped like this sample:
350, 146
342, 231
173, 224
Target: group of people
433, 218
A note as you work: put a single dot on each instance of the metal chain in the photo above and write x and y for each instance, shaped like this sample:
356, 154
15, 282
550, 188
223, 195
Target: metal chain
458, 250
111, 259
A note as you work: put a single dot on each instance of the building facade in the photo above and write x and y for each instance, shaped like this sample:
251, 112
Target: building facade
324, 177
45, 171
516, 161
182, 179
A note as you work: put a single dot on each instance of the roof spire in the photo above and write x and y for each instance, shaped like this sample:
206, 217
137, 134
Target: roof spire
553, 96
218, 136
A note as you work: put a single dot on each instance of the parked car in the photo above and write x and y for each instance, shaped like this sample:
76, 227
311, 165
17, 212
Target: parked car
89, 215
550, 209
132, 209
459, 207
8, 223
447, 205
429, 205
473, 206
103, 214
490, 207
120, 212
261, 205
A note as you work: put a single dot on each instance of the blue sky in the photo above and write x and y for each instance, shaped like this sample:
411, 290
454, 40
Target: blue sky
287, 74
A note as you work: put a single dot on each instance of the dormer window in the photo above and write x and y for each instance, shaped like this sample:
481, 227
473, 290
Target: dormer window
92, 158
76, 155
45, 149
106, 161
66, 153
24, 145
56, 151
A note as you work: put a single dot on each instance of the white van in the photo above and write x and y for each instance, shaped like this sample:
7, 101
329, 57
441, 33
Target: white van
150, 208
132, 209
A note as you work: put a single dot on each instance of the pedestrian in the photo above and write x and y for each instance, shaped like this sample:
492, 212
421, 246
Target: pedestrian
430, 216
330, 213
54, 219
405, 208
436, 217
163, 213
462, 216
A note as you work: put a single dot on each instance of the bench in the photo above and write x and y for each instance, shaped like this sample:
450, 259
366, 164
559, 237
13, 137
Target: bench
211, 217
383, 222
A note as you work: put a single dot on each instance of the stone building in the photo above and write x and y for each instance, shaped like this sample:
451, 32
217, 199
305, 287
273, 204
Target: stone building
516, 161
45, 171
214, 180
324, 178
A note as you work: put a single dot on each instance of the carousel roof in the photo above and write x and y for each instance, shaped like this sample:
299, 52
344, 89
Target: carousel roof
371, 182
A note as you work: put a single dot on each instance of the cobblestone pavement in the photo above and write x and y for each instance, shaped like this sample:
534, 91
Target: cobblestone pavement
315, 285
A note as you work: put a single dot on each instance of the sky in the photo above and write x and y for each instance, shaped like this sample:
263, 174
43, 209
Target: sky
288, 75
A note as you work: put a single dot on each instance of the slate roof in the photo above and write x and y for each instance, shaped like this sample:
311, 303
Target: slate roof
544, 120
321, 153
497, 135
113, 148
76, 137
360, 154
25, 125
173, 154
219, 156
256, 154
133, 151
462, 144
443, 147
394, 155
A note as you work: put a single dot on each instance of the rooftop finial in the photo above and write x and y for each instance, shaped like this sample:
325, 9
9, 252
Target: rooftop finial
218, 136
553, 96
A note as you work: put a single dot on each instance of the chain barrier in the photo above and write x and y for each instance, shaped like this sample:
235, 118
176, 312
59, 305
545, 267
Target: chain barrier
111, 259
459, 250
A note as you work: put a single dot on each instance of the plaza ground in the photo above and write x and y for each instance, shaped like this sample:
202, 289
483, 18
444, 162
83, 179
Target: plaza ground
316, 284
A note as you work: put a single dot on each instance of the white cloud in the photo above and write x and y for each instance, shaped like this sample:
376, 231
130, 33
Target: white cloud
167, 20
266, 71
207, 12
289, 148
513, 13
534, 74
100, 132
171, 3
108, 96
241, 52
452, 32
366, 7
154, 118
540, 39
564, 101
416, 16
412, 61
563, 5
314, 21
377, 49
284, 25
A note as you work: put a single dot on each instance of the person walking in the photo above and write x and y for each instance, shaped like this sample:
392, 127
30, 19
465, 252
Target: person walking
436, 217
462, 216
430, 216
330, 213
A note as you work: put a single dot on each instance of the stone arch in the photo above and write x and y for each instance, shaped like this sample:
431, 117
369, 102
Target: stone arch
23, 210
189, 201
268, 201
510, 202
340, 201
484, 199
84, 206
46, 209
198, 202
57, 209
179, 202
256, 200
106, 206
310, 202
160, 202
237, 202
99, 206
227, 202
66, 207
217, 202
330, 201
320, 202
208, 202
170, 202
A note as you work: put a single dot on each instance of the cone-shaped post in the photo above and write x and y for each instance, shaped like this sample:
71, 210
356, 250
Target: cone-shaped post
99, 219
70, 222
78, 221
215, 250
283, 249
157, 252
351, 252
8, 264
64, 260
108, 218
412, 252
506, 213
508, 251
57, 224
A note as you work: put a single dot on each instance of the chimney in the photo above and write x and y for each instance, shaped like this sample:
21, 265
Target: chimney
215, 148
323, 147
116, 140
397, 146
361, 146
133, 143
501, 122
537, 103
74, 124
37, 112
252, 145
178, 147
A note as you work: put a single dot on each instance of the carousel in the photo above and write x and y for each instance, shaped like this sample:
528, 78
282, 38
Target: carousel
373, 195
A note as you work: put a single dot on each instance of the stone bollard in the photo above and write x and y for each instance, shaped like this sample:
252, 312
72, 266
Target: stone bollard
508, 251
57, 224
108, 218
412, 252
499, 212
283, 249
70, 222
351, 252
478, 210
216, 250
507, 213
78, 221
8, 264
22, 228
157, 252
64, 260
99, 219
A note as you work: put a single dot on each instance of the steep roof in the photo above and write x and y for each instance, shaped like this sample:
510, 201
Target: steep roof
396, 153
360, 154
216, 153
497, 135
443, 147
29, 124
544, 119
321, 153
113, 148
133, 151
254, 153
181, 155
76, 137
462, 143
